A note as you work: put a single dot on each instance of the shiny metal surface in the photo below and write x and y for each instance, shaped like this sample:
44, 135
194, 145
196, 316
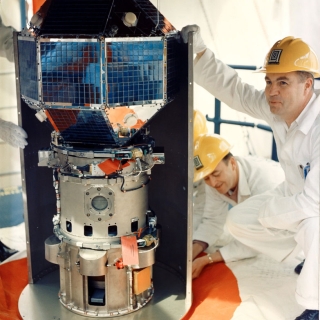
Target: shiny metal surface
77, 212
39, 301
146, 257
92, 262
188, 301
52, 248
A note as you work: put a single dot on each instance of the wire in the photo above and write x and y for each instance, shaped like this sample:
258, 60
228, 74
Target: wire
246, 136
133, 189
207, 20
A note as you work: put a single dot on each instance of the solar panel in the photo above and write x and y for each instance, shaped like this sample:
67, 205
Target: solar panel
135, 72
28, 69
71, 72
82, 126
97, 87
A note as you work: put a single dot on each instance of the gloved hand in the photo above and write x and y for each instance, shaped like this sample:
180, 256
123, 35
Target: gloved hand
13, 134
198, 44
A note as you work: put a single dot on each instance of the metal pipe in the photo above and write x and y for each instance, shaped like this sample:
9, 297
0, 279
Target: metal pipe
23, 15
218, 121
130, 288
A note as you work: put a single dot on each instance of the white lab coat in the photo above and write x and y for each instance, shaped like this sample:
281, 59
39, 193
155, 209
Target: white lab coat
6, 41
10, 18
256, 175
275, 222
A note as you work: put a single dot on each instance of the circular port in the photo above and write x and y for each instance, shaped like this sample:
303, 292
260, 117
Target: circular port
99, 203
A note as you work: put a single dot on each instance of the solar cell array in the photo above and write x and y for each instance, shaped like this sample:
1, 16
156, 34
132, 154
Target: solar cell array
72, 68
28, 69
71, 73
82, 126
134, 72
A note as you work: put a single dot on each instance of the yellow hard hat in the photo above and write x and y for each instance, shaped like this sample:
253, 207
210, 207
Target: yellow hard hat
199, 124
209, 150
291, 54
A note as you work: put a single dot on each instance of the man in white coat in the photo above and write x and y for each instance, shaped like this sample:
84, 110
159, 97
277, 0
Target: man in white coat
228, 181
281, 222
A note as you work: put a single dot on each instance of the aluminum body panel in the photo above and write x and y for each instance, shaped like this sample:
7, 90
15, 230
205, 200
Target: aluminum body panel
84, 273
75, 208
52, 248
188, 301
92, 262
117, 298
146, 257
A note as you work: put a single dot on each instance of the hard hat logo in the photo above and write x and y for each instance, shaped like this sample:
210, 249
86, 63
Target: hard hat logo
209, 150
295, 54
275, 56
197, 163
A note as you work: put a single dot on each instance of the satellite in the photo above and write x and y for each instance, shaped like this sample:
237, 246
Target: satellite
96, 72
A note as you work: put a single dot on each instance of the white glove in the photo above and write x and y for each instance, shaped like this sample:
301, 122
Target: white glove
13, 134
198, 44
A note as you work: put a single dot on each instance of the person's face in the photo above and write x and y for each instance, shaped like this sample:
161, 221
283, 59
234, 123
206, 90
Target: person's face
287, 95
224, 177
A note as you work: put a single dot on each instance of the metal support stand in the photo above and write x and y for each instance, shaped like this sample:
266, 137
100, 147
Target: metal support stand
41, 301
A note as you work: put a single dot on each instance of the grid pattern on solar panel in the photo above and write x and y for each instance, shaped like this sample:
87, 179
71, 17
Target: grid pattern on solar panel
82, 126
172, 67
71, 72
28, 69
134, 72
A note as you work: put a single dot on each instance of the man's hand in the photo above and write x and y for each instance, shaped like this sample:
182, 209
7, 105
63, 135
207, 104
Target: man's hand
13, 134
197, 266
198, 44
198, 247
199, 263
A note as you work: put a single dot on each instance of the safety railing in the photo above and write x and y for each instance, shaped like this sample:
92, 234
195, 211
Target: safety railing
217, 120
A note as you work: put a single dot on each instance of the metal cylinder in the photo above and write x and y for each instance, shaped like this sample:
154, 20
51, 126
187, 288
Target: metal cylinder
52, 247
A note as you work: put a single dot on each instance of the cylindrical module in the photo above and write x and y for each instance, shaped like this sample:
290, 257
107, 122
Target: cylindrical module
95, 214
98, 211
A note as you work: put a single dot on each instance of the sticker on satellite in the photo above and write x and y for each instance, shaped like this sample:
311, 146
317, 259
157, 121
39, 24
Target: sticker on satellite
197, 162
275, 56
